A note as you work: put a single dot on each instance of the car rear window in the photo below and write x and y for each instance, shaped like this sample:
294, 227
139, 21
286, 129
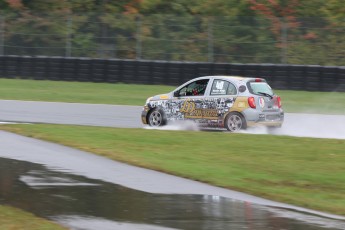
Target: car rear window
260, 87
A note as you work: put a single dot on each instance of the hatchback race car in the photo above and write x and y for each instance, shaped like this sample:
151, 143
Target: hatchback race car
229, 102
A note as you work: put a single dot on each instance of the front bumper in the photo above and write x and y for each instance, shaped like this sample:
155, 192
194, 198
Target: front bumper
144, 115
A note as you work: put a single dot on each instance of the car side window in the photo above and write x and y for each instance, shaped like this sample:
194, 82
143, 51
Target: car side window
221, 87
196, 88
231, 89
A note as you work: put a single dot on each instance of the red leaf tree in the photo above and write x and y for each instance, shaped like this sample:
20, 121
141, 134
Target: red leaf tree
281, 13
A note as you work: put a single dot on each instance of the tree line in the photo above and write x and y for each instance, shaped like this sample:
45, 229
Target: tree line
243, 31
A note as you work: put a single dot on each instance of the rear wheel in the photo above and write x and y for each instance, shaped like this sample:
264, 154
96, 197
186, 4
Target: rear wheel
156, 118
235, 122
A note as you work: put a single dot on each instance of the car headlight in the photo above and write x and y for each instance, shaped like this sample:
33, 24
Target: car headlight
148, 100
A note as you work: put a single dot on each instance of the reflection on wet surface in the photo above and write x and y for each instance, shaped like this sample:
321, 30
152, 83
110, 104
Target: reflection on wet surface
82, 203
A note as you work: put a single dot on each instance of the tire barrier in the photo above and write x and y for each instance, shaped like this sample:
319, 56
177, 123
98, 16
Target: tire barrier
285, 77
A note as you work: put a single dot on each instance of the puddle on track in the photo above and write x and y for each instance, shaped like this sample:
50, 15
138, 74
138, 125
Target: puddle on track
82, 203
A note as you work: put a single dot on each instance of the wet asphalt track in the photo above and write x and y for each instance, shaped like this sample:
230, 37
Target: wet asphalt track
70, 113
301, 125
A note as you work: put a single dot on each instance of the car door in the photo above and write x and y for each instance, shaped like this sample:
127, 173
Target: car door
189, 100
221, 97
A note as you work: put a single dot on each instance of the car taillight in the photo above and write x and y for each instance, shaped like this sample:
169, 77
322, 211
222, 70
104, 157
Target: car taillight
251, 102
278, 102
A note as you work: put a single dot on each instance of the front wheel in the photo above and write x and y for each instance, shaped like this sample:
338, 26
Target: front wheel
156, 118
234, 122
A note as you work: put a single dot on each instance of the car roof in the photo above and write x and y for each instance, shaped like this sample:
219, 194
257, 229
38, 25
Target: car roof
226, 77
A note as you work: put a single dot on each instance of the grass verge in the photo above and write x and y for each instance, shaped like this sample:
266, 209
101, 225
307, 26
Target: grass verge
15, 219
130, 94
81, 92
302, 171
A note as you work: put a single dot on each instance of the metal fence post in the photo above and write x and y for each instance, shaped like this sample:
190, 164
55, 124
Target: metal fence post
138, 38
284, 41
210, 55
2, 35
68, 51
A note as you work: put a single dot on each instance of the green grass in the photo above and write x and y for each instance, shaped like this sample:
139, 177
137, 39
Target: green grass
313, 102
82, 92
15, 219
130, 94
302, 171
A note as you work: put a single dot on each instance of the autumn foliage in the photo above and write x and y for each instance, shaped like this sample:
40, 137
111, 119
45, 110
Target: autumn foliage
281, 15
302, 31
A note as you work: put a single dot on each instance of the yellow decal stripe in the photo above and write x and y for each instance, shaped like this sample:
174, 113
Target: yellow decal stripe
241, 103
164, 97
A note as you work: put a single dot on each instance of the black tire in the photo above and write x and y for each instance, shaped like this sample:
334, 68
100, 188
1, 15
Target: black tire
234, 122
156, 118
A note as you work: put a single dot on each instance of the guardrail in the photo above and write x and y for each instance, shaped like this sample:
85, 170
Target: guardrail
286, 77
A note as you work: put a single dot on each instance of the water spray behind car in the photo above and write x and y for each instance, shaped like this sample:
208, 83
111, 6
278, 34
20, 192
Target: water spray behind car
177, 125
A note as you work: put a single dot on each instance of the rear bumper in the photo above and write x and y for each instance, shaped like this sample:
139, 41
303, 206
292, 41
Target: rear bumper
255, 118
265, 123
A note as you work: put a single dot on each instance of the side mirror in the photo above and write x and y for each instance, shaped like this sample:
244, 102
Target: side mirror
176, 94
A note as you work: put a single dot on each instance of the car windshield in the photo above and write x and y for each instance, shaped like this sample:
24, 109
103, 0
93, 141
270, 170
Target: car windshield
261, 88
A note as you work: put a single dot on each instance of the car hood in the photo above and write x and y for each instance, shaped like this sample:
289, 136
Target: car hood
161, 97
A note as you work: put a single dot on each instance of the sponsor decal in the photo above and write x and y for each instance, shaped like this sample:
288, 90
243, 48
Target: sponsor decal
262, 102
208, 108
219, 88
189, 110
241, 104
